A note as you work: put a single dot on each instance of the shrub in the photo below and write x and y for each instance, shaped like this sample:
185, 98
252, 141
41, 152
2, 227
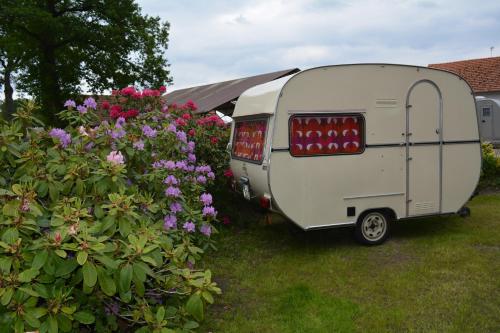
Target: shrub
491, 163
103, 223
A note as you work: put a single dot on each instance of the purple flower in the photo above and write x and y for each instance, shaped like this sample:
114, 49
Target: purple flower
115, 157
60, 134
206, 198
120, 122
169, 165
89, 146
206, 229
139, 145
201, 179
181, 165
211, 175
170, 222
181, 135
209, 211
172, 192
191, 146
70, 103
189, 226
148, 131
203, 169
175, 207
117, 134
191, 158
82, 109
90, 103
171, 128
171, 180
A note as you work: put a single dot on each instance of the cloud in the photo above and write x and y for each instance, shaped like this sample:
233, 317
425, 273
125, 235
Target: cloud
217, 40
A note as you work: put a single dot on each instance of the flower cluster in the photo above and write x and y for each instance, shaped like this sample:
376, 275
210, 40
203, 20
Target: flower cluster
64, 138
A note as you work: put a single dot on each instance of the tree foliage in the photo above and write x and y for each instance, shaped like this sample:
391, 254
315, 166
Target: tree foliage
101, 43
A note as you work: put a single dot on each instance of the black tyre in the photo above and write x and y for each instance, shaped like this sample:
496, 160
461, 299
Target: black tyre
372, 228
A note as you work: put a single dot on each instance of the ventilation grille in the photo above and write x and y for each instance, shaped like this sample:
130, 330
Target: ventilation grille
386, 103
424, 207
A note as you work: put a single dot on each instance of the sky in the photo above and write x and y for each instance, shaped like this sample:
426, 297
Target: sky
217, 40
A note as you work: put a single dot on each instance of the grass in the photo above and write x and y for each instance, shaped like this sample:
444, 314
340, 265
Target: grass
432, 275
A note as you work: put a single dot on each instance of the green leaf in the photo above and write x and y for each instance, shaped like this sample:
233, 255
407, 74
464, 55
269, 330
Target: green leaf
89, 274
106, 283
28, 275
160, 314
194, 306
98, 212
84, 317
5, 264
107, 261
53, 192
65, 267
10, 235
81, 257
149, 260
207, 296
53, 327
124, 227
39, 259
17, 189
125, 277
29, 291
11, 208
31, 320
7, 296
61, 253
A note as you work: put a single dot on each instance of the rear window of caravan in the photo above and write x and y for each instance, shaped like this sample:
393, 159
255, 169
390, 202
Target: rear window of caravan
314, 135
249, 139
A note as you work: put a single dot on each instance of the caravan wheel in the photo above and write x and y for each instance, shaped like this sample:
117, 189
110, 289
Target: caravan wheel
372, 228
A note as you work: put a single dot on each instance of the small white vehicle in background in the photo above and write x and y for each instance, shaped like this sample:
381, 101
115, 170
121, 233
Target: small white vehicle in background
358, 145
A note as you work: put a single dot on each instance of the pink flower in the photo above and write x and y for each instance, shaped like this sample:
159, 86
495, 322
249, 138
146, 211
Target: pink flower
214, 139
192, 132
115, 157
186, 116
162, 89
226, 220
105, 105
206, 229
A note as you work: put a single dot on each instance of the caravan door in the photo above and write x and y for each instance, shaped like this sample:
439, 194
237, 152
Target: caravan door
423, 149
486, 121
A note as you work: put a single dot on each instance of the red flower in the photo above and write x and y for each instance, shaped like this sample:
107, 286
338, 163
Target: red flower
214, 139
115, 111
191, 132
105, 105
162, 89
228, 173
131, 113
57, 238
226, 220
191, 105
128, 91
186, 116
180, 122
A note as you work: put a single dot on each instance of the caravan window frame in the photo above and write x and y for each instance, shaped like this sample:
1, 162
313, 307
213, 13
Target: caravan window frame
328, 114
233, 140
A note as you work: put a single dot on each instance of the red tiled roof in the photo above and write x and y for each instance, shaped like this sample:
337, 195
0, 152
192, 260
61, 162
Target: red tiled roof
482, 74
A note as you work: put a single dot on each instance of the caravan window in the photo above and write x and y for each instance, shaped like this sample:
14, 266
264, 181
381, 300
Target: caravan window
327, 134
249, 139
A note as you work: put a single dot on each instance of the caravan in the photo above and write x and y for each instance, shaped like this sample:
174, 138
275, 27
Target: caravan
358, 145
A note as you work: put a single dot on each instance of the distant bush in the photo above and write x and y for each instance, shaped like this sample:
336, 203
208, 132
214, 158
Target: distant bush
491, 163
103, 222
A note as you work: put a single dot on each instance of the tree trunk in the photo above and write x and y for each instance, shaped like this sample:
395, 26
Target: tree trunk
50, 91
8, 92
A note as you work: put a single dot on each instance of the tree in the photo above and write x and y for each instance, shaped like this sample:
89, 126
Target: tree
10, 58
100, 43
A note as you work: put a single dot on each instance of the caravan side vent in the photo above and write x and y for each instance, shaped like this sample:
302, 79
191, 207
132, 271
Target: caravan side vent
386, 103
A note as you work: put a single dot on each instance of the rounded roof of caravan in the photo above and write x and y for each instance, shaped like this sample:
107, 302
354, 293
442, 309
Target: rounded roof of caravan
484, 98
263, 99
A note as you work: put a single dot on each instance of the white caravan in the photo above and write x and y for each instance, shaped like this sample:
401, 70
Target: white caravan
488, 113
358, 145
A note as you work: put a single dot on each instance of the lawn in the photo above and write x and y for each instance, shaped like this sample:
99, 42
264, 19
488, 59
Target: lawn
432, 275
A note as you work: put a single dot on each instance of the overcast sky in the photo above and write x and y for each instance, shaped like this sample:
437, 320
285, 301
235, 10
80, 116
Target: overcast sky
217, 40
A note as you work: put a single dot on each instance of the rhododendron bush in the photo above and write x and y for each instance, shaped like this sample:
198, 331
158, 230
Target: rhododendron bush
103, 223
